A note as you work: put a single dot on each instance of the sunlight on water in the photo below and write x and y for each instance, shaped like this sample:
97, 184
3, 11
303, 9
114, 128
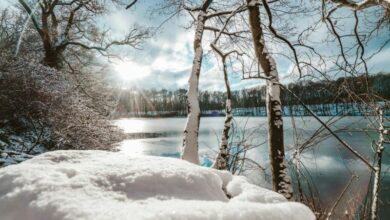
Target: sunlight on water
131, 125
330, 164
132, 147
164, 146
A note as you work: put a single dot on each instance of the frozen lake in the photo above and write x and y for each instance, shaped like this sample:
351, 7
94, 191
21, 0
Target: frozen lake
328, 164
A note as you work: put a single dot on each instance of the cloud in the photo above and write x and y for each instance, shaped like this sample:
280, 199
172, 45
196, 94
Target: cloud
167, 56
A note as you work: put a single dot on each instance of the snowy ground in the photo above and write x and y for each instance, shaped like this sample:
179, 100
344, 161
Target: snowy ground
107, 185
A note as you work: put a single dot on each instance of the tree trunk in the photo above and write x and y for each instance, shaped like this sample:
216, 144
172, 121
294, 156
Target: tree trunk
281, 181
378, 166
190, 140
221, 162
51, 55
51, 58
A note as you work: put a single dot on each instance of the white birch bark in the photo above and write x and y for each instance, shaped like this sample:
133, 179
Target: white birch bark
281, 176
281, 180
221, 162
190, 140
378, 166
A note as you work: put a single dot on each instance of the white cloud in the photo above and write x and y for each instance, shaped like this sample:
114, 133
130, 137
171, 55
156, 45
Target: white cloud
167, 57
128, 70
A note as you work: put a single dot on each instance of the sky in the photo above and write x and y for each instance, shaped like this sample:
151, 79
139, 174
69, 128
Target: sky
165, 59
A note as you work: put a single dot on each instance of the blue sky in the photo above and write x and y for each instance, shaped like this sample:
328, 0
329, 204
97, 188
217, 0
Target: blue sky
166, 59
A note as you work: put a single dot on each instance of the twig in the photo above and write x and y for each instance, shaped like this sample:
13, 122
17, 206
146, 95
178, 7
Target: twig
330, 130
340, 196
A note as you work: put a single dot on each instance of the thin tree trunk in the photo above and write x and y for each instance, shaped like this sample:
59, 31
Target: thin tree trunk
281, 180
378, 166
221, 162
190, 140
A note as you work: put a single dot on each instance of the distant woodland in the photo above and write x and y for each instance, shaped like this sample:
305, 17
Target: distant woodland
172, 103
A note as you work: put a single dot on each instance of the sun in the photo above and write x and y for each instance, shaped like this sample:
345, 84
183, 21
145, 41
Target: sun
128, 70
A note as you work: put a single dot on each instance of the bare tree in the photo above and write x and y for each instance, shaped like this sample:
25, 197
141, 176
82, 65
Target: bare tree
223, 156
221, 162
378, 164
190, 140
281, 181
63, 25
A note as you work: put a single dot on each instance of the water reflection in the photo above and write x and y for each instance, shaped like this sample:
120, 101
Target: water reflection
327, 164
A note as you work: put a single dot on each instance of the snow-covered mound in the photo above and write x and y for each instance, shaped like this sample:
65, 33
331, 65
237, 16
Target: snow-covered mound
107, 185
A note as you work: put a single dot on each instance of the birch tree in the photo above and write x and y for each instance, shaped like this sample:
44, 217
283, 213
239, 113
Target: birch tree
191, 130
222, 159
281, 181
378, 164
223, 155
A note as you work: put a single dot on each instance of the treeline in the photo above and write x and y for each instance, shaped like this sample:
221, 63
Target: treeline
136, 102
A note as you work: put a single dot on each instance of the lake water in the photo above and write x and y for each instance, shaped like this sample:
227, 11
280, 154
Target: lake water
328, 165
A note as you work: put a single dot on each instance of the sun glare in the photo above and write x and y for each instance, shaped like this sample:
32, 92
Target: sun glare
130, 71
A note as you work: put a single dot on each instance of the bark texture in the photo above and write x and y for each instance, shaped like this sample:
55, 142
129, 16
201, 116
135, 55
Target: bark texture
378, 166
281, 180
221, 162
190, 140
47, 34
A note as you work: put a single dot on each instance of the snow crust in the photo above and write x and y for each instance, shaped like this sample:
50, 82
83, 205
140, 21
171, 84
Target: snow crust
99, 185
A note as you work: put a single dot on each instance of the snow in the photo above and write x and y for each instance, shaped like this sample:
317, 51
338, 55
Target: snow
99, 185
191, 130
240, 189
190, 140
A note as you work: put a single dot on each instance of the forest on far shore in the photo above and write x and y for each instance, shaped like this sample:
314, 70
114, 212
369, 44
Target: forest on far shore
163, 102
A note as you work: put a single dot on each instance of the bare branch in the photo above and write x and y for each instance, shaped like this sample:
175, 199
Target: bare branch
131, 4
33, 19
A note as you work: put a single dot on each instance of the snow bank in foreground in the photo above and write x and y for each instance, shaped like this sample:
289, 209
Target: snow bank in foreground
106, 185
